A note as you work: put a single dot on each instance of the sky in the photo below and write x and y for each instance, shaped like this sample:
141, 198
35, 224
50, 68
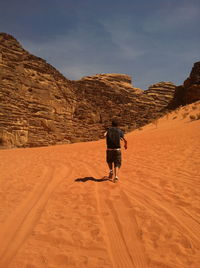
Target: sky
150, 40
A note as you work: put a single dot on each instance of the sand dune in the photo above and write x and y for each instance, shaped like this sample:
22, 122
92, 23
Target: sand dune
58, 210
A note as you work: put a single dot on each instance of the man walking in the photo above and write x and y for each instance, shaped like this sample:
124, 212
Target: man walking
113, 153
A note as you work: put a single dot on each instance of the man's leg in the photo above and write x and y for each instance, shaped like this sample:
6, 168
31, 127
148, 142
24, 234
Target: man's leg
109, 160
117, 165
116, 172
110, 165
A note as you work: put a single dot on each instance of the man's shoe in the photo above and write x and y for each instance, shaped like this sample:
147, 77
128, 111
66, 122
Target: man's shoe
115, 179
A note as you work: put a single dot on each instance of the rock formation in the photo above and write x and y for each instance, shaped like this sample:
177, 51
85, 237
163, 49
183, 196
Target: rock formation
113, 95
190, 90
34, 108
192, 84
40, 107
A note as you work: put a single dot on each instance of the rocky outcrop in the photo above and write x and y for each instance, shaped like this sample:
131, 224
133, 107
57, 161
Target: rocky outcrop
115, 81
157, 97
111, 95
40, 107
192, 85
190, 90
107, 95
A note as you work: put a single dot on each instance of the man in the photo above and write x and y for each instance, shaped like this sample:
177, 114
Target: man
113, 153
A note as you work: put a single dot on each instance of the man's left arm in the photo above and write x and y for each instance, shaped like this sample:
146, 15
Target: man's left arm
125, 141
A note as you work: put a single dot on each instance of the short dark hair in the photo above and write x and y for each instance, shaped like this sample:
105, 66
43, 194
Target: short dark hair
115, 123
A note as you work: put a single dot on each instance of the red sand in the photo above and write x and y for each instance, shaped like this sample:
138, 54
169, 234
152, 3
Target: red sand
150, 218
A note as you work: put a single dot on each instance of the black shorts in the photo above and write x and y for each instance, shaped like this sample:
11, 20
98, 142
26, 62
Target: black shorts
114, 156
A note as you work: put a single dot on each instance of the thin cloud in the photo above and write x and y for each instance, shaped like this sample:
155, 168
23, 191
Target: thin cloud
128, 40
151, 42
173, 18
76, 54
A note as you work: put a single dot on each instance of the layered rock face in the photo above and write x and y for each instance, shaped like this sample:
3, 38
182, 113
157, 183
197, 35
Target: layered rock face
39, 106
157, 98
107, 95
111, 95
116, 81
37, 102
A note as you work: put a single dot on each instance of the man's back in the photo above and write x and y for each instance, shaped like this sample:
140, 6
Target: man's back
113, 137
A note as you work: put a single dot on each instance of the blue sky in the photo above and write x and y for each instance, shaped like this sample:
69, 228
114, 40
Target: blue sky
151, 40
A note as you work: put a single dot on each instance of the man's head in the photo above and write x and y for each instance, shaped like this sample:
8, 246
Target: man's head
115, 123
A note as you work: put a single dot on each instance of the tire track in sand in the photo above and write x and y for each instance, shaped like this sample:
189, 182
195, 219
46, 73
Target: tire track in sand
15, 230
125, 246
186, 224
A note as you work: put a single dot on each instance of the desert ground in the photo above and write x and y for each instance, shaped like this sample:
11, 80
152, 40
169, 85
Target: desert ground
57, 209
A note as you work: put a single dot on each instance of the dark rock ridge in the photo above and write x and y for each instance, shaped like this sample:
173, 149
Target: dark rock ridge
40, 107
190, 90
192, 85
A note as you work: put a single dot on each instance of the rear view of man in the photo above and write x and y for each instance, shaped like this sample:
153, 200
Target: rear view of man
113, 153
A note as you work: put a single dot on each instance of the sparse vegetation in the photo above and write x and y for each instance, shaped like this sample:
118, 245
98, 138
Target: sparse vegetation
192, 117
194, 107
184, 115
198, 116
178, 109
167, 116
155, 122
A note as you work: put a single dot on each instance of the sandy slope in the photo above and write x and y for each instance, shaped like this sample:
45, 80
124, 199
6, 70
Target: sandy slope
57, 211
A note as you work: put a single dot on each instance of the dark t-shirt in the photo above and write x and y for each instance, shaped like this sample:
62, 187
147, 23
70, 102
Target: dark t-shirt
113, 137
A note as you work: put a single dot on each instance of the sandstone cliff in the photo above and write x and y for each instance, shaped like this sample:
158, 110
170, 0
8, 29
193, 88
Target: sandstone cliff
37, 102
134, 107
39, 106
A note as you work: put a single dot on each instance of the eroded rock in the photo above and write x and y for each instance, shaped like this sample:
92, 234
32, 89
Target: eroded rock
40, 107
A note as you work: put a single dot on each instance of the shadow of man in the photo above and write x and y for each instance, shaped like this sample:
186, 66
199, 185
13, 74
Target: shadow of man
85, 179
